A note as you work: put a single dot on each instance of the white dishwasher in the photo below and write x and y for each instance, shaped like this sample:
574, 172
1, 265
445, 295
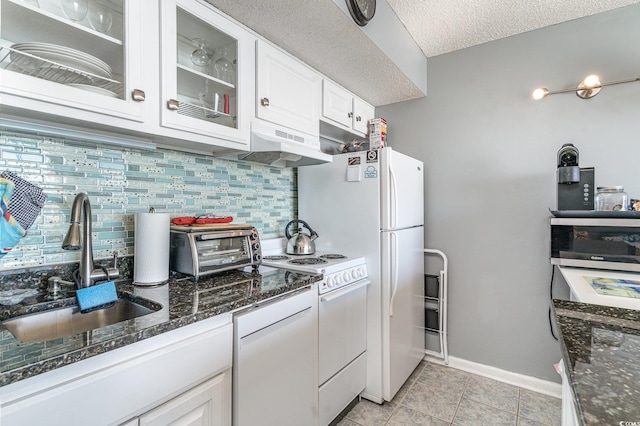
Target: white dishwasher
275, 378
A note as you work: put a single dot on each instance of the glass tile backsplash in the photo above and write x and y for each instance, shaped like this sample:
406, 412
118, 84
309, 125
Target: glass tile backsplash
121, 182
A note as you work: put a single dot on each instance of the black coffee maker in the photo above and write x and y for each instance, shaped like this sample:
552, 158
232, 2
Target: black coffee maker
576, 189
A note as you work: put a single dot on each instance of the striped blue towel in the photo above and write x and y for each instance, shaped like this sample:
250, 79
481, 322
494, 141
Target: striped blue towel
10, 230
27, 200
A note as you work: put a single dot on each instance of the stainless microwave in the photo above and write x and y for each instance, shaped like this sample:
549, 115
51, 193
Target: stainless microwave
597, 243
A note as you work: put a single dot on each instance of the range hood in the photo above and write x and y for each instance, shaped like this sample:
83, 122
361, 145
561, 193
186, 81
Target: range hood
279, 146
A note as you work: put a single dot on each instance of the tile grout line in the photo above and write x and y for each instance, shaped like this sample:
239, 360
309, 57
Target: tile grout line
411, 386
495, 409
399, 404
538, 420
468, 381
466, 386
518, 407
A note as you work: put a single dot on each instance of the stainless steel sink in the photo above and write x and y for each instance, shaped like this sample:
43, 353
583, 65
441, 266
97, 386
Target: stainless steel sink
67, 321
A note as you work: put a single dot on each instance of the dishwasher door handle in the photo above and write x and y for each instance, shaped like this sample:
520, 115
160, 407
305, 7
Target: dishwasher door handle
346, 290
271, 328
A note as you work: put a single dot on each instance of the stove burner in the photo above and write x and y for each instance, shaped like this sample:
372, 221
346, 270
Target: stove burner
333, 256
308, 261
279, 257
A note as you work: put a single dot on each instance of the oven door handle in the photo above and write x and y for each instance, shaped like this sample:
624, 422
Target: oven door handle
336, 294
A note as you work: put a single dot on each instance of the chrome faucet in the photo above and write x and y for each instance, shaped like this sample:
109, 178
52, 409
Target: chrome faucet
87, 274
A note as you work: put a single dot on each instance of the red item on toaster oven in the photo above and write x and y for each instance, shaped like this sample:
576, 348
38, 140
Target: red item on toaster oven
184, 220
213, 219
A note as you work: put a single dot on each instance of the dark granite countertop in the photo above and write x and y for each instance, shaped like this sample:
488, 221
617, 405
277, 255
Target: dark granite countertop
182, 301
601, 351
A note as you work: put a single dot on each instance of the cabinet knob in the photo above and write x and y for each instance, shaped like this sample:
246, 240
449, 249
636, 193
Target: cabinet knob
358, 118
264, 101
350, 114
138, 95
173, 105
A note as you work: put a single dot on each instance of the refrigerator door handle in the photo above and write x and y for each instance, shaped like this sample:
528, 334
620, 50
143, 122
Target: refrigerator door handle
394, 271
394, 199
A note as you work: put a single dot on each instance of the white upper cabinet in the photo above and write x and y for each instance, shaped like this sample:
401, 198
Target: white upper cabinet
175, 70
342, 109
362, 113
288, 92
72, 61
207, 71
337, 104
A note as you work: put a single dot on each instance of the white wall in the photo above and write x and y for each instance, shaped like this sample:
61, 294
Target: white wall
490, 160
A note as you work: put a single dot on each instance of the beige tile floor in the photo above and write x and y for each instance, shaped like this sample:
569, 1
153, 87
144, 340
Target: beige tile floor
438, 395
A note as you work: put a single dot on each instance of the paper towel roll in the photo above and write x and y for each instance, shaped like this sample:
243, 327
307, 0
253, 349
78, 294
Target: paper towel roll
151, 250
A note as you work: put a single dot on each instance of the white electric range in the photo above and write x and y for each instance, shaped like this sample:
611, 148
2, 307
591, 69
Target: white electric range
339, 270
342, 325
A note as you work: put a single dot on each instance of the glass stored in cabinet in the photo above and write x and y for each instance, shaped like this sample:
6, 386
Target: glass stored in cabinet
206, 58
78, 44
210, 102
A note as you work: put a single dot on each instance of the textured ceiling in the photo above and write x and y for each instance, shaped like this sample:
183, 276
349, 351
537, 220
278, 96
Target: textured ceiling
444, 26
321, 34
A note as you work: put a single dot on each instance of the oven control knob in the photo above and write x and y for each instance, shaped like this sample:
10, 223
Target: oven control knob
338, 279
331, 282
256, 257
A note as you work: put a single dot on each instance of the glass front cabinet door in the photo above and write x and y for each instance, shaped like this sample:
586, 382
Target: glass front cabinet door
72, 59
207, 77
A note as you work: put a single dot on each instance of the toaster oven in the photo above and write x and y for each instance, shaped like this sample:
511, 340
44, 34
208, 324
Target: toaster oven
208, 249
597, 243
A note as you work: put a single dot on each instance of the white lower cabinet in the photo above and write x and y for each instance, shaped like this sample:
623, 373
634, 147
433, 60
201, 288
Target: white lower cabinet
182, 375
208, 404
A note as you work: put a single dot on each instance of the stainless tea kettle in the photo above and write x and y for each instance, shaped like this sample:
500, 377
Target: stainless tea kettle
300, 243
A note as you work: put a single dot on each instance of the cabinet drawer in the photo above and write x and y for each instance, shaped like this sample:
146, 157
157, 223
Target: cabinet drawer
205, 404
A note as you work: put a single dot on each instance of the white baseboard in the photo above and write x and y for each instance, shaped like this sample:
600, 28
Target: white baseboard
527, 382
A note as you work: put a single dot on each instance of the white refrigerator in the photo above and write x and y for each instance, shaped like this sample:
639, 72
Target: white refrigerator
371, 203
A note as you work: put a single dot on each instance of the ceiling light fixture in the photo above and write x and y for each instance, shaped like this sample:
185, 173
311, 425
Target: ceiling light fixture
587, 89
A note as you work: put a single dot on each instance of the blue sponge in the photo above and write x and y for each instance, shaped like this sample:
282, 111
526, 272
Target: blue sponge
96, 296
